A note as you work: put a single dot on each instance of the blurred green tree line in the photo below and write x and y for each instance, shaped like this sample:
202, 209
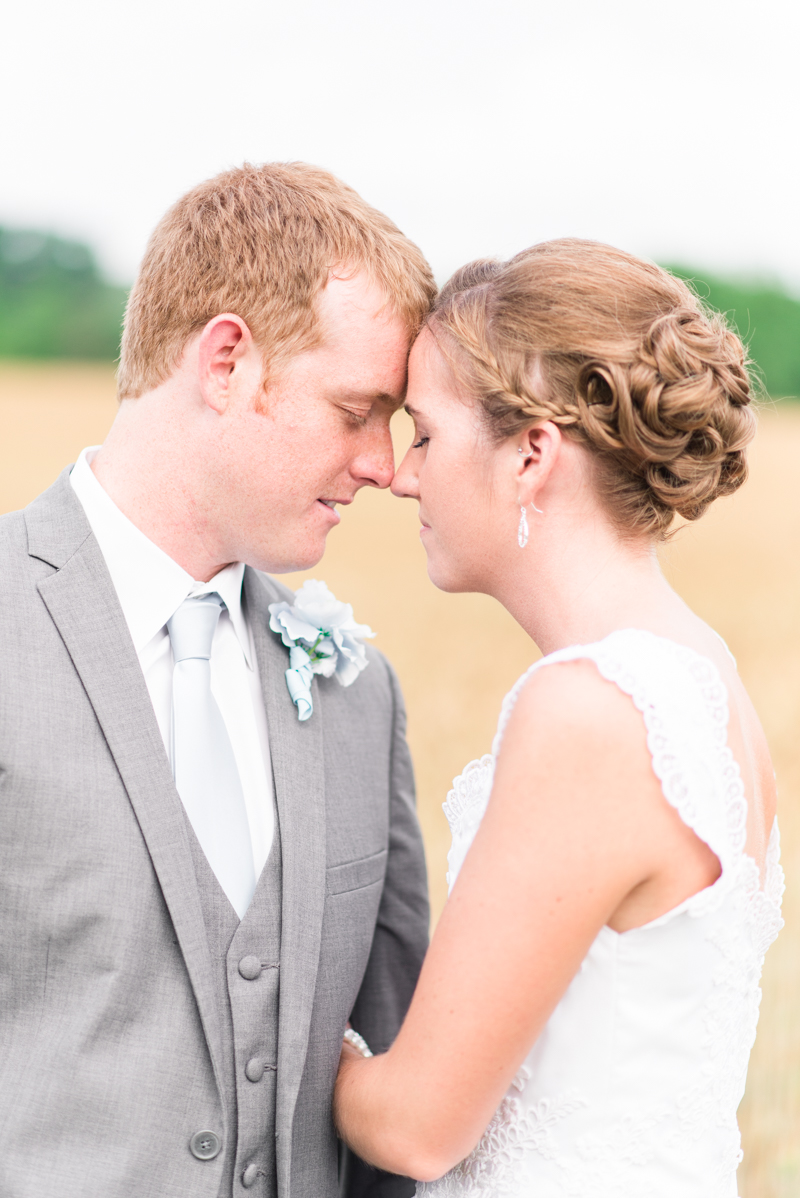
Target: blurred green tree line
55, 303
767, 319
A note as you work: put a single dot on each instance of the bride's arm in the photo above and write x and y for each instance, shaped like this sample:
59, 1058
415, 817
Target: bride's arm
576, 831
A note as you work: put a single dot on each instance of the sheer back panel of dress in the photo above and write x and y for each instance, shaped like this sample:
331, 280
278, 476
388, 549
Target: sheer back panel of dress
749, 749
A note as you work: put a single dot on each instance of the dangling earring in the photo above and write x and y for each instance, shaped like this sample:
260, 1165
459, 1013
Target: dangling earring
522, 531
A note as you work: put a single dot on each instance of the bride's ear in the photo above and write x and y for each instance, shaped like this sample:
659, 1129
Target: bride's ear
538, 450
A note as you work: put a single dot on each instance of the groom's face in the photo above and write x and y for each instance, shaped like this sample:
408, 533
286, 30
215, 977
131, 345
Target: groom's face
319, 434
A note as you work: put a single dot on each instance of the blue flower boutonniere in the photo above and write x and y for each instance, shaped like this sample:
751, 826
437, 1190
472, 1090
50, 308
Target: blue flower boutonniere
322, 638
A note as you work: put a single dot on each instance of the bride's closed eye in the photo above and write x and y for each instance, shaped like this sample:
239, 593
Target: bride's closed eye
422, 441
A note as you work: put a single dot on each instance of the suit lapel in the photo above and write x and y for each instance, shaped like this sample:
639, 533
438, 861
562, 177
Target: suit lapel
83, 605
297, 763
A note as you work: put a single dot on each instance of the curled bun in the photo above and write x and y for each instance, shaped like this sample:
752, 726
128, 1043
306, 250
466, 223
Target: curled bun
622, 355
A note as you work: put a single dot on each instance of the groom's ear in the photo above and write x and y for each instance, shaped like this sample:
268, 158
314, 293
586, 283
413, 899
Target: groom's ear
225, 353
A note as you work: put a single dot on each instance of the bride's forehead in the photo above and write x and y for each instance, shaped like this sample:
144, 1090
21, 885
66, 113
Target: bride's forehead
425, 352
431, 374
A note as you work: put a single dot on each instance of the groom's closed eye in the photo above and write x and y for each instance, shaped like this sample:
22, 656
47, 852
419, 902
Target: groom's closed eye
358, 418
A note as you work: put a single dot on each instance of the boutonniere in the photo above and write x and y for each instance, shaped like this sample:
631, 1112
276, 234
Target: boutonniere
322, 638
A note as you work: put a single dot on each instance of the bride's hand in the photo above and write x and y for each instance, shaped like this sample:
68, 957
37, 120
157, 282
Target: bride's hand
356, 1069
348, 1053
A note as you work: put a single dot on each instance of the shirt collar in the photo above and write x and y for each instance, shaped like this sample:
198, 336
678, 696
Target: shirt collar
149, 584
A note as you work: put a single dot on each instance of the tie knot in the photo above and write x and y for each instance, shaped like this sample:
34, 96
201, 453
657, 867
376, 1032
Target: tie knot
191, 629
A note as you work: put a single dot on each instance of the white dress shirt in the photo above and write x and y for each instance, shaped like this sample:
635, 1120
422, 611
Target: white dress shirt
151, 587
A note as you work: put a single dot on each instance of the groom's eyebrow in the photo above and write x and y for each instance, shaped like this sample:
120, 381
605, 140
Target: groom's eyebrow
372, 397
393, 402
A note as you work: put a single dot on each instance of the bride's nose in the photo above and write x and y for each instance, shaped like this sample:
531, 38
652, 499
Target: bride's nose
405, 484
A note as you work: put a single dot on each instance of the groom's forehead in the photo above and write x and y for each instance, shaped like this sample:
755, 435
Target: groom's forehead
356, 304
365, 344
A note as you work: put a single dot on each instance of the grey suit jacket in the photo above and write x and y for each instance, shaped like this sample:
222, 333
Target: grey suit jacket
109, 1035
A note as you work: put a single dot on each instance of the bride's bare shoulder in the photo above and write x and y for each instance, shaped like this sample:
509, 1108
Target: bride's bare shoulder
572, 696
572, 729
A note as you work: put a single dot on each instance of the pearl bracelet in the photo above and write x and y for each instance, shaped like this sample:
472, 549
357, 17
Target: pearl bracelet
358, 1042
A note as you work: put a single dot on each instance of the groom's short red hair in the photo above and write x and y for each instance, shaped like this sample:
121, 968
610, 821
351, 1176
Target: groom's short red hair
260, 241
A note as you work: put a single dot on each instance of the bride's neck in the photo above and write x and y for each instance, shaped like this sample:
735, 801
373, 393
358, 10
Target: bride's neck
578, 583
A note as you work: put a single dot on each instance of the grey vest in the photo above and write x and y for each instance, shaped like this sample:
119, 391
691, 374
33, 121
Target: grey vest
245, 964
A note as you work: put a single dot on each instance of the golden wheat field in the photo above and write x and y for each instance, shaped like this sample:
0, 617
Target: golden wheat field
457, 655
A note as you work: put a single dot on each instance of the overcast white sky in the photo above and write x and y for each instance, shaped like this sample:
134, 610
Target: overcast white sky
668, 128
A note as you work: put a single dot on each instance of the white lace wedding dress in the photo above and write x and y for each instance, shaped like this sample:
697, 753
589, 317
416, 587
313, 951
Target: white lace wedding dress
631, 1090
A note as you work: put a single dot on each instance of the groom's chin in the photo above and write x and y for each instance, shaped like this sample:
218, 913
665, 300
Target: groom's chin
288, 559
293, 564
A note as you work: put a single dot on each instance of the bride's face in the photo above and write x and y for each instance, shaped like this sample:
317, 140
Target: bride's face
464, 481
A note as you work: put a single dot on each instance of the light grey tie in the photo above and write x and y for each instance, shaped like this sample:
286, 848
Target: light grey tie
203, 762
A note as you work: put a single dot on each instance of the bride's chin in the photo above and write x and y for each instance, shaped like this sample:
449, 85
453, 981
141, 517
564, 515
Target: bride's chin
445, 569
446, 578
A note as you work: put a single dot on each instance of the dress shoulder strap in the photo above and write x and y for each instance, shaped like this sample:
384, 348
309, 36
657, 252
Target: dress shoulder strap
684, 704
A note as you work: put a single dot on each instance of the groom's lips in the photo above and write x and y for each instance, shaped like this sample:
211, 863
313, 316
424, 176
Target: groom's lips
328, 504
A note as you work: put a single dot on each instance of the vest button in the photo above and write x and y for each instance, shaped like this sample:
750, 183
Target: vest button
250, 1176
250, 968
204, 1145
254, 1069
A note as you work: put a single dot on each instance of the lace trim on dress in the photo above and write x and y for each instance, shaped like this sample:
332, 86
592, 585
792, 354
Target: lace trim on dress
464, 808
493, 1166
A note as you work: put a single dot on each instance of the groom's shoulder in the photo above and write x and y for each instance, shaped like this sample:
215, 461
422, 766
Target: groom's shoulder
13, 535
50, 529
15, 549
20, 604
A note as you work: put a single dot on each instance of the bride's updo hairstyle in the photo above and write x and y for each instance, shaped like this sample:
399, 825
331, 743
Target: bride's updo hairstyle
619, 353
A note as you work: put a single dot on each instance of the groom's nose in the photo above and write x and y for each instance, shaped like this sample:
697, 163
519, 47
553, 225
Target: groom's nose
374, 465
